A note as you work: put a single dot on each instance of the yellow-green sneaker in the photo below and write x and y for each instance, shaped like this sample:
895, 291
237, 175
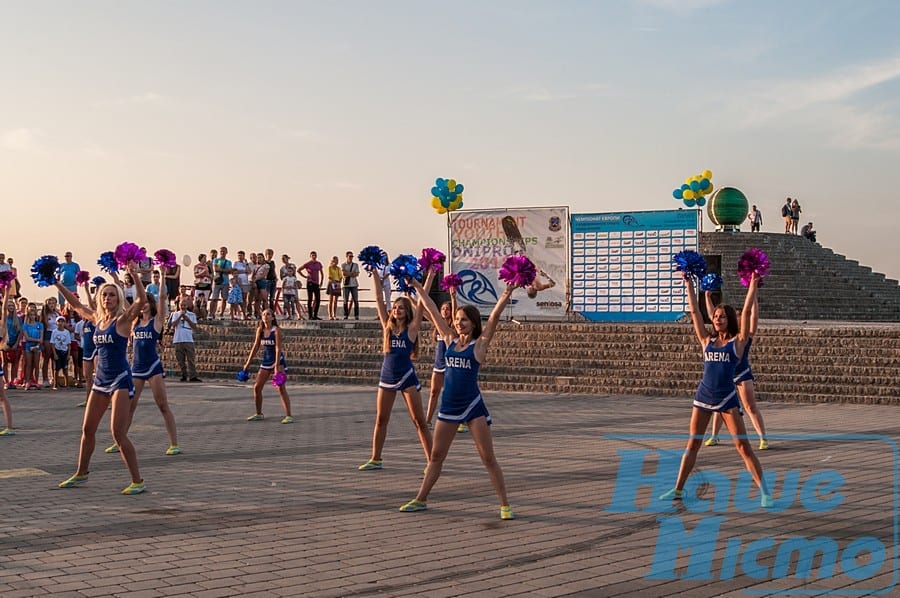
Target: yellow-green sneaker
287, 419
112, 449
7, 432
370, 465
134, 488
462, 428
763, 444
414, 505
506, 512
173, 450
711, 441
256, 417
673, 494
74, 480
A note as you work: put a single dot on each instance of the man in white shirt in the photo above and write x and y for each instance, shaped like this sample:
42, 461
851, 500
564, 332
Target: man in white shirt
184, 322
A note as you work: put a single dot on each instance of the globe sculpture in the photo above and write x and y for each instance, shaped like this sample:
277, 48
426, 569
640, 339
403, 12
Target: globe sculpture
727, 208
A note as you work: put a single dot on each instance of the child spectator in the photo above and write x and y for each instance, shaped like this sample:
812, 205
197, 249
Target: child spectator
60, 340
289, 286
236, 297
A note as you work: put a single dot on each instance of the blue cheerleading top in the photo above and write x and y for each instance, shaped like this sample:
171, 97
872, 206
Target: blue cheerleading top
440, 349
717, 387
398, 362
87, 337
743, 367
113, 371
460, 378
146, 356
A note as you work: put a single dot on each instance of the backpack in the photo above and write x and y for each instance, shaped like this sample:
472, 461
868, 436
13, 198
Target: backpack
785, 211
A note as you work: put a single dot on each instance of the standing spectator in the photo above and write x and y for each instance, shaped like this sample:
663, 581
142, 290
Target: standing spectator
4, 267
795, 216
153, 287
221, 273
786, 214
202, 284
242, 269
271, 279
236, 297
755, 218
384, 274
289, 286
173, 283
185, 322
5, 345
60, 339
314, 271
128, 289
334, 287
33, 333
287, 266
350, 285
808, 232
49, 313
146, 269
261, 280
251, 298
17, 292
11, 345
67, 271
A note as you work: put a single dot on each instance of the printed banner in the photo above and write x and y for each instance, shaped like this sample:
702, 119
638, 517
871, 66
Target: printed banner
622, 264
481, 239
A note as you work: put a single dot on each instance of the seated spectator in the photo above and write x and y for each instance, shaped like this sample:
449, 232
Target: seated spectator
808, 232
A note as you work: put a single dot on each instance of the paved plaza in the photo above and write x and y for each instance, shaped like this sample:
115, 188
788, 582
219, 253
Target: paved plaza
281, 510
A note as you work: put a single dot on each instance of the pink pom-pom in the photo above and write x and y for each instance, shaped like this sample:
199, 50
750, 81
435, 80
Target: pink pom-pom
165, 258
431, 257
82, 277
518, 270
279, 379
451, 281
6, 278
753, 261
129, 252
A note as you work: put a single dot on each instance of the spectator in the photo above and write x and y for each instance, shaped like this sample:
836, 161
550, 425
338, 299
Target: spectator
153, 287
350, 285
252, 297
67, 271
60, 339
261, 280
334, 287
221, 273
202, 284
271, 279
808, 232
314, 271
11, 345
755, 218
786, 214
173, 283
289, 286
287, 266
795, 216
4, 267
242, 269
184, 323
384, 274
17, 292
129, 289
146, 269
236, 297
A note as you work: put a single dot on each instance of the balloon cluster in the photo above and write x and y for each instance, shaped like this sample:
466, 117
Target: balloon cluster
446, 195
695, 189
6, 278
82, 277
691, 263
129, 252
165, 258
451, 281
108, 263
518, 270
243, 376
279, 379
753, 261
372, 257
44, 270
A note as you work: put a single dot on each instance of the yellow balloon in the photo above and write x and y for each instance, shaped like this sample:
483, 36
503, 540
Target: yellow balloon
451, 184
688, 194
454, 205
435, 203
688, 180
441, 210
707, 174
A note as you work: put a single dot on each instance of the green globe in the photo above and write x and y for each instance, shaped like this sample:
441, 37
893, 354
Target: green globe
727, 208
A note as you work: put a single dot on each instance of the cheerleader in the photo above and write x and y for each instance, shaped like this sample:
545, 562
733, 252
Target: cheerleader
114, 320
6, 345
146, 365
269, 335
744, 381
440, 365
461, 401
400, 331
716, 392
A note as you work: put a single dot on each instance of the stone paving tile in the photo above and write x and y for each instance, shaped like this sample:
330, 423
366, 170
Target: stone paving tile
282, 511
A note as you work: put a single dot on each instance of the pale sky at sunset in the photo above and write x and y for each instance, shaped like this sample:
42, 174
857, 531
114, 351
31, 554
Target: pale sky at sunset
322, 125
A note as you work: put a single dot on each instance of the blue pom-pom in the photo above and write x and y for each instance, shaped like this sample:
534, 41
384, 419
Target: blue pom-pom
372, 256
690, 262
98, 280
711, 282
405, 266
243, 376
108, 263
44, 270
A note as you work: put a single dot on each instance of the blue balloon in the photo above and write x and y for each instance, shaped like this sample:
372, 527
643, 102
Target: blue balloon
695, 186
445, 201
439, 182
678, 194
704, 183
690, 203
701, 201
435, 191
685, 187
459, 188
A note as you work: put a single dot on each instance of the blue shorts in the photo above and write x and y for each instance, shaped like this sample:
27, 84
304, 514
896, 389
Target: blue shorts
153, 370
721, 404
108, 387
744, 376
408, 379
473, 410
271, 366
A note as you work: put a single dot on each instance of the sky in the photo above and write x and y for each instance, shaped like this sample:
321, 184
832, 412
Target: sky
312, 125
